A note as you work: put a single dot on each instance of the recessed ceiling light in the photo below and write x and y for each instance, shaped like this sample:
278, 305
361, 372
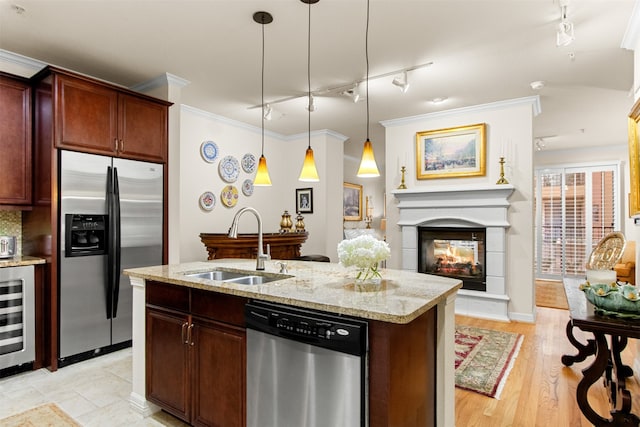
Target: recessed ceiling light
537, 85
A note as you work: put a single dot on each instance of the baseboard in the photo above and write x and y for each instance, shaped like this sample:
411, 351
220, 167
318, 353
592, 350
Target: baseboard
141, 405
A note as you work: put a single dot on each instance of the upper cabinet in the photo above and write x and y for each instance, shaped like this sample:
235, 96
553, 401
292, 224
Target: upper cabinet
95, 117
15, 140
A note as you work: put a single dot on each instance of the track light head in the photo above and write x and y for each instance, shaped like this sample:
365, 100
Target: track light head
564, 34
402, 82
311, 107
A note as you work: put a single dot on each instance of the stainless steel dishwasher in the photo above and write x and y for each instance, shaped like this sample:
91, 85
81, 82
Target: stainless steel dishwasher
305, 368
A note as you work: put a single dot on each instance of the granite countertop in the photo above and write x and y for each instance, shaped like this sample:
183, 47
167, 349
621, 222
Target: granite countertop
402, 297
19, 261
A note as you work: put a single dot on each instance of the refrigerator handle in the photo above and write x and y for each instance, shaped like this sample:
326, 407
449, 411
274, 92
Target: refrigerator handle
110, 243
118, 242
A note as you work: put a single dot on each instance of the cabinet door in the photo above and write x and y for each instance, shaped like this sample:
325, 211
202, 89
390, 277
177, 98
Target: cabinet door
219, 365
15, 142
143, 129
86, 116
167, 367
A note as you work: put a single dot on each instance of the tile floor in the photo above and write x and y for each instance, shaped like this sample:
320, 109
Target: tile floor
94, 392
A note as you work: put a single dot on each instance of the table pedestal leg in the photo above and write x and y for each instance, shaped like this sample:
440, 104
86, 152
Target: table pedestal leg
583, 350
606, 360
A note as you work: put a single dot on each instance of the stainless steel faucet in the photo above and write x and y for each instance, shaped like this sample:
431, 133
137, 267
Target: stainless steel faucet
233, 233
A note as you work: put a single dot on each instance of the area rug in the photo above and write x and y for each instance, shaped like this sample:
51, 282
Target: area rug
550, 293
484, 358
49, 415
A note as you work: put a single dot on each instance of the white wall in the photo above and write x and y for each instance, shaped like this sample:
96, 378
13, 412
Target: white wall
509, 132
284, 159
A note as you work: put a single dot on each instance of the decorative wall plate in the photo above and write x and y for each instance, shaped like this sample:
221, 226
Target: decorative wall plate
249, 163
209, 151
229, 169
247, 187
207, 200
229, 196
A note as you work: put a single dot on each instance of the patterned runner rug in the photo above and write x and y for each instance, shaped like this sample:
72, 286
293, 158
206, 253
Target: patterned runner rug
44, 415
484, 358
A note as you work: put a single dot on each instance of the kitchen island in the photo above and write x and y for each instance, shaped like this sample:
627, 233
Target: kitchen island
411, 327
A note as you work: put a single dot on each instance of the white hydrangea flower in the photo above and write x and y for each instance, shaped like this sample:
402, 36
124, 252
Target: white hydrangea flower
363, 252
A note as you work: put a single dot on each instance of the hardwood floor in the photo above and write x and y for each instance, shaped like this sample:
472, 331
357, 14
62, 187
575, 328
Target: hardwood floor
540, 390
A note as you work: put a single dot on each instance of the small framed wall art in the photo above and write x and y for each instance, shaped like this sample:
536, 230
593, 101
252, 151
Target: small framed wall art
351, 202
304, 200
451, 153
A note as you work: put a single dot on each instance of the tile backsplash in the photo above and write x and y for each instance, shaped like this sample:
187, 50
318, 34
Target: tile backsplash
11, 225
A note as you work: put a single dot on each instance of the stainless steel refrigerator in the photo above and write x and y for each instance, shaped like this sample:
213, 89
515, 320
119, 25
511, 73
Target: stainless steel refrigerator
111, 218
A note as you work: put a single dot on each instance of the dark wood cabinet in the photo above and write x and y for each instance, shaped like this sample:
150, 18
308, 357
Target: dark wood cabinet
92, 116
15, 140
218, 358
167, 361
195, 358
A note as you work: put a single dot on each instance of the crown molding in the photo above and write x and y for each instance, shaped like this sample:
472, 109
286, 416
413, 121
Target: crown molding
534, 101
22, 61
166, 79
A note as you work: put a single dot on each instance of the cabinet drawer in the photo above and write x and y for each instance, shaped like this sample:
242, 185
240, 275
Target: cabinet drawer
168, 296
221, 307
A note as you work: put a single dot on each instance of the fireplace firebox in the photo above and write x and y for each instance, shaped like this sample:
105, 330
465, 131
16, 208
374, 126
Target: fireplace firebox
454, 252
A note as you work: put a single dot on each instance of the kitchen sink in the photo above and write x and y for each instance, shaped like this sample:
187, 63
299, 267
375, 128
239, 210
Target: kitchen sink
220, 275
238, 277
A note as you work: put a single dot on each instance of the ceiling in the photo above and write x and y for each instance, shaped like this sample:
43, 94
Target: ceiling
482, 51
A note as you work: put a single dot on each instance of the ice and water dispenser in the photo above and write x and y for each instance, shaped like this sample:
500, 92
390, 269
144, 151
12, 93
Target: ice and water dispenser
85, 235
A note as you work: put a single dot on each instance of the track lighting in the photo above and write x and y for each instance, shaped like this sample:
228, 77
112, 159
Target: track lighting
311, 107
564, 35
353, 93
402, 82
268, 112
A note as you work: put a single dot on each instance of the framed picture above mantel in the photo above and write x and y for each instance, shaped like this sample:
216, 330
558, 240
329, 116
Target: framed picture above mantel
452, 152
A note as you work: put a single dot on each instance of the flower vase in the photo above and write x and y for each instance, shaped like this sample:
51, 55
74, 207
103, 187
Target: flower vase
368, 278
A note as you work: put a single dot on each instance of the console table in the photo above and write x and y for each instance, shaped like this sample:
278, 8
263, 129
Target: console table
282, 245
610, 338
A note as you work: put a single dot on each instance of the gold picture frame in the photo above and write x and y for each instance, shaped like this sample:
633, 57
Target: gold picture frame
452, 152
351, 202
634, 159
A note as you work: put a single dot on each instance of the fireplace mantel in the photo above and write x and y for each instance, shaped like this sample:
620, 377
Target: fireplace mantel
462, 206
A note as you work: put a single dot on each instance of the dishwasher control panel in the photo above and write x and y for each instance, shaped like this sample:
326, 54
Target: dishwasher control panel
310, 326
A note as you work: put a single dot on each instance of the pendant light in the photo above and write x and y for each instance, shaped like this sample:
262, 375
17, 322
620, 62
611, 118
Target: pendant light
368, 167
262, 178
309, 173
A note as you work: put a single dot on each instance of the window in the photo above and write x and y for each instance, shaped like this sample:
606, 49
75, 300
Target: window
575, 207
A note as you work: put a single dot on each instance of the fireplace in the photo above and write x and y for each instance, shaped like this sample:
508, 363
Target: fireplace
466, 209
454, 252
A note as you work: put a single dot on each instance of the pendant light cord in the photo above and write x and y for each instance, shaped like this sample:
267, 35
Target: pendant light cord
309, 77
262, 91
366, 55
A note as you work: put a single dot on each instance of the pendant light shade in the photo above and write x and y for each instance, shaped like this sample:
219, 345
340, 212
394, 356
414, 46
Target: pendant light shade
262, 178
368, 167
309, 172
